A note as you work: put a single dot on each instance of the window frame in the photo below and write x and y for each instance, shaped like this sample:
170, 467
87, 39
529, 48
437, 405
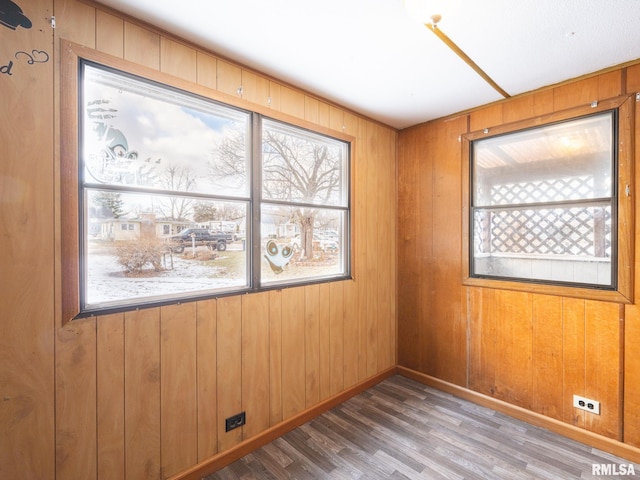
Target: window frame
623, 189
71, 212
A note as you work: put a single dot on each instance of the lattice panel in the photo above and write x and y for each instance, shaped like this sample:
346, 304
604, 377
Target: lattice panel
561, 231
557, 189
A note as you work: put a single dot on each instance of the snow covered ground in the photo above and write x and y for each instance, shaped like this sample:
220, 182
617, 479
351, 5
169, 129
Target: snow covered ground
108, 283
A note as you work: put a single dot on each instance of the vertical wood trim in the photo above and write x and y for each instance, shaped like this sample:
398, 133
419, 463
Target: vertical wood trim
206, 355
178, 387
69, 270
110, 397
142, 394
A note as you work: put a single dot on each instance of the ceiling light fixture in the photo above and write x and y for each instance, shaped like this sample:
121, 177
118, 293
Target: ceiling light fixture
429, 13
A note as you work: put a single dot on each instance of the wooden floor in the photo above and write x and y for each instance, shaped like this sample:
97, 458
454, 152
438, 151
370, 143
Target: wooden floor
401, 429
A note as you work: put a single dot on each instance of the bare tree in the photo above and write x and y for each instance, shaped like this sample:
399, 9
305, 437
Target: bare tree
229, 165
300, 169
295, 168
177, 179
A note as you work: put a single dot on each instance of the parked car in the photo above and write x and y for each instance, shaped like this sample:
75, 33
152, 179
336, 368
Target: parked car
319, 242
199, 236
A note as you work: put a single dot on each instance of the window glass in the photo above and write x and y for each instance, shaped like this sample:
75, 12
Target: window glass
304, 223
543, 203
303, 167
136, 251
140, 134
172, 196
302, 243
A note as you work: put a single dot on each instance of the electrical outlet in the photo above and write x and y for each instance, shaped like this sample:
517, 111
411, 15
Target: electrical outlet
235, 422
586, 404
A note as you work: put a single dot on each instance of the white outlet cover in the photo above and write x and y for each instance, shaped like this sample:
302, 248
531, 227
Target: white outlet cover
586, 404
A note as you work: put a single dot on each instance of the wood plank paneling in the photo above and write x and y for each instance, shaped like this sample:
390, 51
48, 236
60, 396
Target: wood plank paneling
408, 327
229, 368
533, 351
603, 366
486, 117
229, 77
351, 334
109, 34
585, 91
255, 363
293, 352
27, 263
178, 60
76, 401
142, 394
255, 88
324, 382
336, 119
573, 361
631, 412
206, 357
632, 376
336, 337
110, 397
369, 264
529, 106
75, 22
547, 395
141, 46
207, 66
179, 441
446, 335
275, 357
291, 102
312, 343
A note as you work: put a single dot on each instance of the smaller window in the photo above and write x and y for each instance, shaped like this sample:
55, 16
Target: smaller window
543, 203
544, 207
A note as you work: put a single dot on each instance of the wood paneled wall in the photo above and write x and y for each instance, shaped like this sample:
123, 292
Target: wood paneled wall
144, 394
534, 351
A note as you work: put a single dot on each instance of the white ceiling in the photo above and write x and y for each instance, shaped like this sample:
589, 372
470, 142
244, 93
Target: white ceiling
372, 57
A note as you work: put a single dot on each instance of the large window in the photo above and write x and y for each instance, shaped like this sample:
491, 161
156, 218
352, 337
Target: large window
181, 197
544, 204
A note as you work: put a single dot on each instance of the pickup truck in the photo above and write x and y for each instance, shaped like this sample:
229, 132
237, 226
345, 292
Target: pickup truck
202, 236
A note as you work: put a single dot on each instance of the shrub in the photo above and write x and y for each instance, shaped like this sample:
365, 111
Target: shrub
134, 255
